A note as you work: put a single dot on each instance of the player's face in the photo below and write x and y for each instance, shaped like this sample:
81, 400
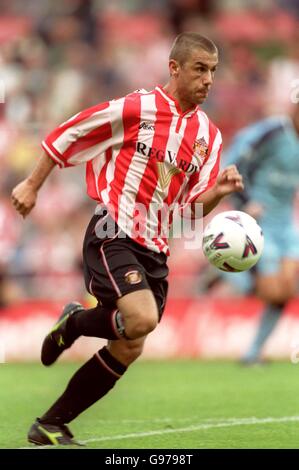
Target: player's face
195, 77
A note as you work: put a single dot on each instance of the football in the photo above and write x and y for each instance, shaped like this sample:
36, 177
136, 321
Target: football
233, 241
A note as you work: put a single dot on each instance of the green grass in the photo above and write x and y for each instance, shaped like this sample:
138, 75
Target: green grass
163, 396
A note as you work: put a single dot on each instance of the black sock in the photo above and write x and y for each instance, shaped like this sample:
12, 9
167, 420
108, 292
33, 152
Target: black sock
99, 322
90, 383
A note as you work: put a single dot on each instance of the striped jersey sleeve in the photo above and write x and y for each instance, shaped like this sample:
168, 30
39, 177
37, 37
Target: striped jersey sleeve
82, 137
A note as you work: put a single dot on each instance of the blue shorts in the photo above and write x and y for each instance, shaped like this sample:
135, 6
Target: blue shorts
280, 243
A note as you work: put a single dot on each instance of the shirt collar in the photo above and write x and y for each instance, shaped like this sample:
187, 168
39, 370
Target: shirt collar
175, 104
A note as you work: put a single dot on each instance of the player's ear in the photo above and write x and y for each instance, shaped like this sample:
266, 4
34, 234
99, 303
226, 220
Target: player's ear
173, 68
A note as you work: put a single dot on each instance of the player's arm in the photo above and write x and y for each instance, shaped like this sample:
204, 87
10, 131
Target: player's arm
78, 140
24, 195
228, 181
209, 186
240, 154
250, 150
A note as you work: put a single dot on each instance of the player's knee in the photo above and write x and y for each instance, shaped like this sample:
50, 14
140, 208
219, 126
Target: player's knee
126, 351
270, 297
131, 352
142, 324
278, 292
277, 298
140, 313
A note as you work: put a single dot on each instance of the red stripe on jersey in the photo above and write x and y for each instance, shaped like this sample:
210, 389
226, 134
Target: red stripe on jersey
150, 176
131, 121
89, 140
90, 182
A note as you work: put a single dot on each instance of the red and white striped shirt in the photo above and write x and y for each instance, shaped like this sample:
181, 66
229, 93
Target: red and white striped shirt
140, 149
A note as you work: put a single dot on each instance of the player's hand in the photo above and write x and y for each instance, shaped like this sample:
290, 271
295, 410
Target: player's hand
24, 197
229, 181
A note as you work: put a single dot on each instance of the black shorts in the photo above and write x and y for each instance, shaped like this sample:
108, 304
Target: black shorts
115, 265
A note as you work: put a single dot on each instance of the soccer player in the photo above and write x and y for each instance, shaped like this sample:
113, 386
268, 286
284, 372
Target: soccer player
267, 155
145, 150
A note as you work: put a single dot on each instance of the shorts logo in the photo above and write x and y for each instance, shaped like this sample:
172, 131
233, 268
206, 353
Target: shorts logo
133, 277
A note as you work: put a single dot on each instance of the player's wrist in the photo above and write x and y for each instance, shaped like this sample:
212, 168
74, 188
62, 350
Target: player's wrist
218, 192
32, 183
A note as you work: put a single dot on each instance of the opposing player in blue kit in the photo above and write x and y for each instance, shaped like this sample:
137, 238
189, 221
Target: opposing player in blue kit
267, 155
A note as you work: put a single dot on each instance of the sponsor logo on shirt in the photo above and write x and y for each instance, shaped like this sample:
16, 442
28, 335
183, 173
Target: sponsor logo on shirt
166, 156
148, 126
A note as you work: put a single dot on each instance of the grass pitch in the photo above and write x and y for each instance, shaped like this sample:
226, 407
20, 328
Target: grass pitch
164, 404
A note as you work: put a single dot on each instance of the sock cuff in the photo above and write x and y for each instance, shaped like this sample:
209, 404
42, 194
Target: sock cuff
113, 365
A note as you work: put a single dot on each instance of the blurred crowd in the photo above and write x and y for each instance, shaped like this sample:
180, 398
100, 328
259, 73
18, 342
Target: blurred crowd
57, 58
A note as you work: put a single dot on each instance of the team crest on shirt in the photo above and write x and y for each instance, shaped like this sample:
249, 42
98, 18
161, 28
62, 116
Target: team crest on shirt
200, 148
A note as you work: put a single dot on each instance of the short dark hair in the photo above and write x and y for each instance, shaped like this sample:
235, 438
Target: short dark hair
185, 42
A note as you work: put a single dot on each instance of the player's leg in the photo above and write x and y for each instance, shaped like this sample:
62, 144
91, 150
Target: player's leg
116, 277
136, 315
269, 318
275, 282
281, 286
126, 351
267, 270
96, 377
275, 290
126, 306
88, 385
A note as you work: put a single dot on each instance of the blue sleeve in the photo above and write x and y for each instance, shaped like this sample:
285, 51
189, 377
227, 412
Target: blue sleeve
240, 154
248, 152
